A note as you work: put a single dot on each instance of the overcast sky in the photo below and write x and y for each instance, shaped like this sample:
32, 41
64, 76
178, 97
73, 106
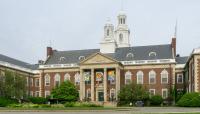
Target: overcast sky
28, 26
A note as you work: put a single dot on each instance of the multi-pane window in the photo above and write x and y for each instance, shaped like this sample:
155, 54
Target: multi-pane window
164, 77
128, 75
88, 93
164, 93
77, 78
140, 77
66, 77
47, 93
152, 77
112, 94
37, 94
37, 82
31, 81
47, 80
57, 80
152, 92
180, 78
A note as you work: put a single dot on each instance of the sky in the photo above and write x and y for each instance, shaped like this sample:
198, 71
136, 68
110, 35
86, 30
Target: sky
27, 27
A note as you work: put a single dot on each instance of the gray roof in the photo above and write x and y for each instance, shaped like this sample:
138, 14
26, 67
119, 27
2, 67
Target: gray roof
181, 60
139, 52
17, 62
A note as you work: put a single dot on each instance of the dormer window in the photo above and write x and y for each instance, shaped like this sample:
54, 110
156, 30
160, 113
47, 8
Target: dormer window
130, 55
152, 54
62, 59
81, 58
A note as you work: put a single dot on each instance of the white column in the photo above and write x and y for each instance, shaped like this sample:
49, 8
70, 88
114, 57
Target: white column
92, 84
105, 84
82, 85
117, 85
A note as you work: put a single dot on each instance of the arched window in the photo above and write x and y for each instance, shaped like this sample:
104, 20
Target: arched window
81, 58
152, 54
152, 77
164, 77
47, 80
108, 32
128, 75
66, 77
77, 78
129, 55
140, 77
57, 80
120, 37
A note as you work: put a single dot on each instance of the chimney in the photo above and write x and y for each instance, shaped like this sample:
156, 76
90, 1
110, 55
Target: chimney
173, 44
49, 51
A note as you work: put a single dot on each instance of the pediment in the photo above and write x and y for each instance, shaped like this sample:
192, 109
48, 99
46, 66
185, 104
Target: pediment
98, 58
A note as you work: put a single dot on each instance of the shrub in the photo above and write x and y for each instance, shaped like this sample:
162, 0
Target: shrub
89, 105
69, 104
44, 106
189, 100
57, 106
38, 100
156, 100
5, 102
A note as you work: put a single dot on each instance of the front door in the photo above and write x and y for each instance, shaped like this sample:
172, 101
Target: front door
100, 96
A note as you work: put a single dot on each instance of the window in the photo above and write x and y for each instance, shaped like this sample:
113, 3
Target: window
27, 81
108, 32
37, 82
152, 92
180, 78
152, 54
62, 59
31, 81
47, 80
121, 37
81, 58
77, 79
128, 75
164, 77
88, 93
140, 77
152, 77
66, 77
57, 80
31, 93
112, 94
164, 93
47, 93
37, 94
130, 55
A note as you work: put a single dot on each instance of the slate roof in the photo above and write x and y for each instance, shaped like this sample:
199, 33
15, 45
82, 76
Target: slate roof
139, 52
181, 60
13, 61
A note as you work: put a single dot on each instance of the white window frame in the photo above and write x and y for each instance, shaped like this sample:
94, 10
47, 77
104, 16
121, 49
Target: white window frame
46, 95
163, 94
87, 94
77, 79
128, 76
163, 73
31, 82
140, 74
56, 78
178, 78
67, 77
47, 81
112, 91
152, 73
37, 93
154, 91
37, 79
31, 93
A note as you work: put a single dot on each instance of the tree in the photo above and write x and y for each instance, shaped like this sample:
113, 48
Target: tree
131, 93
67, 91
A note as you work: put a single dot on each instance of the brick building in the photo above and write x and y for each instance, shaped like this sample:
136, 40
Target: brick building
100, 73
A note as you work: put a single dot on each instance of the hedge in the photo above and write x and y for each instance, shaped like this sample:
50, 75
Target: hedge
5, 101
190, 100
38, 100
156, 100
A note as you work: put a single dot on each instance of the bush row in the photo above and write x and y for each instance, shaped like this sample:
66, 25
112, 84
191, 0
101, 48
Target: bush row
189, 100
5, 101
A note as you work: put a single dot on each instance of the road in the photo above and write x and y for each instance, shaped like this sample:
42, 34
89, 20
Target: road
134, 110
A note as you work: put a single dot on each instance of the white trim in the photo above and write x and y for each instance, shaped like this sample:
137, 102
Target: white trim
36, 93
36, 82
57, 77
67, 77
45, 81
157, 61
163, 91
154, 91
142, 75
153, 72
163, 72
113, 92
58, 66
9, 65
178, 77
128, 73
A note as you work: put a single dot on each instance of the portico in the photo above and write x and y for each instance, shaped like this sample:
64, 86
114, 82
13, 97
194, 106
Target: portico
100, 78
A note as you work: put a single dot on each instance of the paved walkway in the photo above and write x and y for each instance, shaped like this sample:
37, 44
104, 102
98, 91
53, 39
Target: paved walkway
135, 110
